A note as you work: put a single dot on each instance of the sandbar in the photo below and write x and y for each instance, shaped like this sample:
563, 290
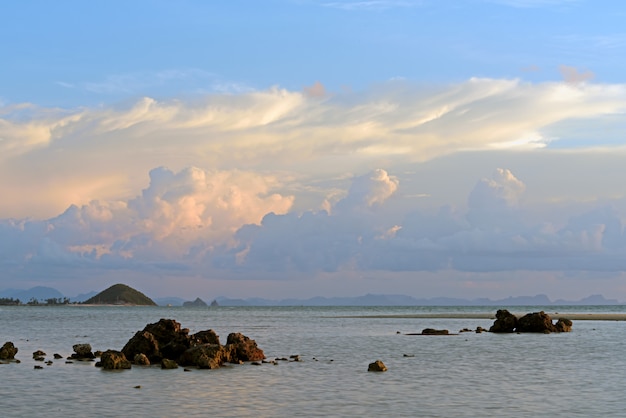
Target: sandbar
463, 315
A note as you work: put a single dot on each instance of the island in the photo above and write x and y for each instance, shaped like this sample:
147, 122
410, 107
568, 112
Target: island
120, 294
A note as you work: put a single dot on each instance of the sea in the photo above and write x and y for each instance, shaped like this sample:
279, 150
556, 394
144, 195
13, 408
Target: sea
577, 374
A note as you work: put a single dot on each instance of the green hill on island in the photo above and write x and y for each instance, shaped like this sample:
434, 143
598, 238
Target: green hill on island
120, 294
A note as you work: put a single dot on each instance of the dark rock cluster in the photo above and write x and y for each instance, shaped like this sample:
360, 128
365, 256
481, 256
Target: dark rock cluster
539, 322
166, 343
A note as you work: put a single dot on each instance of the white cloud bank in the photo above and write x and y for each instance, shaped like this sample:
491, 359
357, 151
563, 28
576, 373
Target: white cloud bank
280, 184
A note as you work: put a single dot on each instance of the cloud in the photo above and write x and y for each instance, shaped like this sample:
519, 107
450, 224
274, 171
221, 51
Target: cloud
316, 90
177, 217
278, 131
574, 76
372, 5
533, 3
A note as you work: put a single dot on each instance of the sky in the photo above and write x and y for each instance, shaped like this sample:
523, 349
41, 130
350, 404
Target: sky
300, 148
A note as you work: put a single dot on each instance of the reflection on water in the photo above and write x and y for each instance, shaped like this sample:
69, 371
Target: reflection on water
569, 374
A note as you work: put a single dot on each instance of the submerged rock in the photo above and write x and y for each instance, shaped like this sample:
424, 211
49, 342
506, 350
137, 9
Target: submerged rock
168, 364
377, 366
432, 331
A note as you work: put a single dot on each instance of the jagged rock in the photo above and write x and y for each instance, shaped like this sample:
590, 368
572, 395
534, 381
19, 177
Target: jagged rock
432, 331
243, 348
164, 339
205, 337
563, 325
168, 364
143, 342
205, 356
377, 366
97, 353
113, 360
141, 359
8, 351
82, 351
38, 353
505, 322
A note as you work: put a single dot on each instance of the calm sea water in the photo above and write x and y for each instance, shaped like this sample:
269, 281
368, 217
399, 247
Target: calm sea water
581, 373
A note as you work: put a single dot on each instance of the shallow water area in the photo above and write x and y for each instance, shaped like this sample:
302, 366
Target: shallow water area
512, 375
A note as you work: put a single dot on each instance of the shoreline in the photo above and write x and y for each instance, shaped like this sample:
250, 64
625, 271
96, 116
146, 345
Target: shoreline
570, 316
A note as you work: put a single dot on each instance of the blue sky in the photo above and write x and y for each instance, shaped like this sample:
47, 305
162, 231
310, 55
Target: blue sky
298, 148
72, 53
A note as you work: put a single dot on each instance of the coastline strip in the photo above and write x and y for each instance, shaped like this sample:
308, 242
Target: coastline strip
461, 315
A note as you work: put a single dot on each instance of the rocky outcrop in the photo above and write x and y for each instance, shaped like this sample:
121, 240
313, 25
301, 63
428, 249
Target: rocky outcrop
505, 322
537, 322
542, 323
8, 351
82, 352
167, 340
563, 325
113, 360
377, 366
242, 348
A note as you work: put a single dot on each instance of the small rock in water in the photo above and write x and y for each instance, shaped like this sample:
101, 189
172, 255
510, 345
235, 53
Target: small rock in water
186, 370
432, 331
57, 356
38, 353
408, 355
138, 387
38, 367
255, 363
377, 366
168, 364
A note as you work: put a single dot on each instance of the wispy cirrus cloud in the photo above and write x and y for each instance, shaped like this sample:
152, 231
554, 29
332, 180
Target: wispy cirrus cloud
533, 3
135, 83
372, 5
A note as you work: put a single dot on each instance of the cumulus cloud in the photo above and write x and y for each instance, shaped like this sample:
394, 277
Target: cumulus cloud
179, 216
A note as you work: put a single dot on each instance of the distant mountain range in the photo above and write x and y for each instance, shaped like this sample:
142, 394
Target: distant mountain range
42, 293
404, 300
